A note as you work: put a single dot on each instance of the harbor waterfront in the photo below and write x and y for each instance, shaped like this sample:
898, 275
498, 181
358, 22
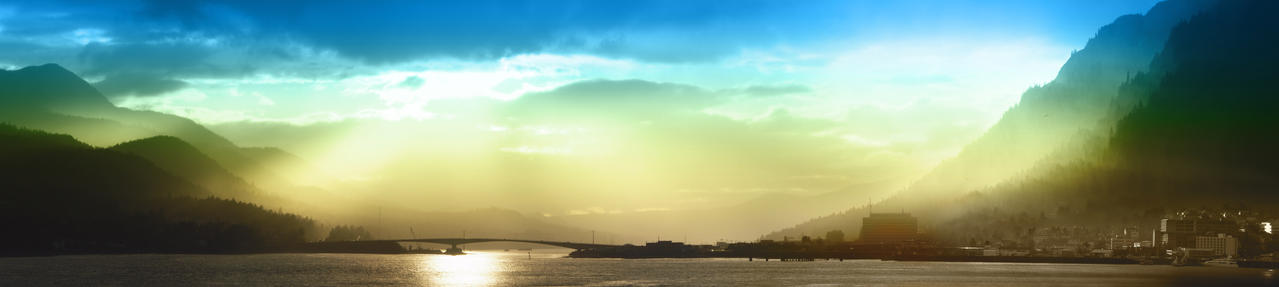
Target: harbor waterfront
549, 267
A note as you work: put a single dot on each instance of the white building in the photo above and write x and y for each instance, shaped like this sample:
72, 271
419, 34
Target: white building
1221, 245
1118, 242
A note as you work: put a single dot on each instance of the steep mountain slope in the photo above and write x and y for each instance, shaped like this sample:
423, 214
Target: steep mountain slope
1211, 119
1201, 131
1059, 122
1065, 111
1201, 134
63, 196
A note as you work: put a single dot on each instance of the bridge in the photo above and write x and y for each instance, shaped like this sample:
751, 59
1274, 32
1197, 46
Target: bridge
454, 242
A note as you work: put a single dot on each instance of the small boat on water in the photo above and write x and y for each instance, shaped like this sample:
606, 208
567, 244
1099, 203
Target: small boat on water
454, 251
1222, 262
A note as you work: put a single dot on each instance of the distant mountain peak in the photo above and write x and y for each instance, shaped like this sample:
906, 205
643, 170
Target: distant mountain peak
49, 86
46, 68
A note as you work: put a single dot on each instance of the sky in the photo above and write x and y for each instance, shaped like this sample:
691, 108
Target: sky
574, 107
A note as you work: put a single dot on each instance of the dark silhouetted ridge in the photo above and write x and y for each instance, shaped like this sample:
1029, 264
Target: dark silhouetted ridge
180, 158
61, 196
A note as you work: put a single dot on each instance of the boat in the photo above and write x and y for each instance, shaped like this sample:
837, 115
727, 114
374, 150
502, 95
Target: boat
1186, 261
1222, 262
454, 251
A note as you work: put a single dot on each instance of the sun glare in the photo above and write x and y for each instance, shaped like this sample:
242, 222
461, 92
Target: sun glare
472, 269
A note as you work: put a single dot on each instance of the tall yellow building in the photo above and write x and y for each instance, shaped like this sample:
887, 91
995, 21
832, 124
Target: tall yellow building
888, 228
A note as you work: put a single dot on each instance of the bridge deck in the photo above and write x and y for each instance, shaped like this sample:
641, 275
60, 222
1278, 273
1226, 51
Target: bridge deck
460, 241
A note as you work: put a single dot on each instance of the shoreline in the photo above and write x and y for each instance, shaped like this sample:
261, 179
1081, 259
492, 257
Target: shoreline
1016, 259
955, 259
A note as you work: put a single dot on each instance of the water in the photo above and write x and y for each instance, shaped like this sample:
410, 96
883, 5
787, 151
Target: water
518, 269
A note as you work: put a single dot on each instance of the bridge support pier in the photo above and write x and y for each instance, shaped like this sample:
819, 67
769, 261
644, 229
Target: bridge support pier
454, 250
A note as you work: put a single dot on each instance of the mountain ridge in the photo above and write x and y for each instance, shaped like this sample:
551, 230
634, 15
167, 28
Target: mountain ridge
50, 97
184, 160
63, 196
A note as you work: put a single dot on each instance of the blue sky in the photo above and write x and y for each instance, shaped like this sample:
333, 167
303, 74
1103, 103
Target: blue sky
851, 92
176, 35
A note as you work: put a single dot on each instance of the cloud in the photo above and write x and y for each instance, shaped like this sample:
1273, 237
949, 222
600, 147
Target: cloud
411, 82
783, 121
611, 100
187, 58
666, 121
404, 31
141, 85
229, 38
633, 99
777, 90
638, 143
488, 29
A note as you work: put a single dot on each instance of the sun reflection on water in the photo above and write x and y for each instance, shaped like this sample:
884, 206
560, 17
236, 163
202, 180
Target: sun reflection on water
472, 269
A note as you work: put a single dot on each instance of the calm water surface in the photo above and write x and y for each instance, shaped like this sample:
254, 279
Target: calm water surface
543, 269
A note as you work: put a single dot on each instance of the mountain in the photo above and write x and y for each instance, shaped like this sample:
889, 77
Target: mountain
179, 158
1200, 135
42, 164
51, 98
63, 196
1210, 118
1065, 112
1199, 130
1060, 122
187, 159
50, 87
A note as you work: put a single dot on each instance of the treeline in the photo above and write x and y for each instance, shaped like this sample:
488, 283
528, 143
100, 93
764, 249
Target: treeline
1212, 116
60, 196
348, 233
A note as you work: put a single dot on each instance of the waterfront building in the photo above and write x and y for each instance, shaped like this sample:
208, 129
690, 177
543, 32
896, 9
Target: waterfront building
1196, 253
1120, 242
835, 236
1221, 245
664, 244
1176, 233
879, 228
